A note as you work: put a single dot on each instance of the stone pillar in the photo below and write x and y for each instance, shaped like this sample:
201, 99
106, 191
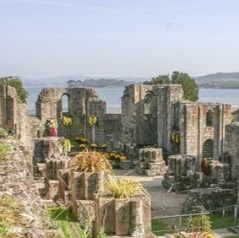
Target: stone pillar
105, 215
136, 218
86, 185
151, 162
122, 217
46, 147
63, 183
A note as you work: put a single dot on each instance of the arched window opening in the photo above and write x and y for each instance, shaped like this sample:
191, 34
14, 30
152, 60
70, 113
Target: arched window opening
207, 151
65, 103
209, 118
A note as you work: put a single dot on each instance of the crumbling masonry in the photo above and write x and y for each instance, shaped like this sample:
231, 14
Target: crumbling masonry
151, 115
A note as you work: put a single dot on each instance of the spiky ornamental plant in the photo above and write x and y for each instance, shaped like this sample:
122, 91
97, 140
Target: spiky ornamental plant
90, 161
124, 187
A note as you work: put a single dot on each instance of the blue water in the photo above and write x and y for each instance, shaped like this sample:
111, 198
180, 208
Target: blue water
112, 96
218, 95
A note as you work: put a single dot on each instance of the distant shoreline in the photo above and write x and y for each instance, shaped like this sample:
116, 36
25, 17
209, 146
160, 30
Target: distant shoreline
218, 87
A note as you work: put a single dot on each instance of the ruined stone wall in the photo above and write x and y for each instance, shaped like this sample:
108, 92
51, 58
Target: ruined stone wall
134, 124
232, 142
49, 105
13, 114
152, 125
168, 96
195, 130
112, 131
210, 198
95, 133
235, 114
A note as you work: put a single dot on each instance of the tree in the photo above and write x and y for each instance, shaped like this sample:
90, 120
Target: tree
17, 84
161, 79
189, 86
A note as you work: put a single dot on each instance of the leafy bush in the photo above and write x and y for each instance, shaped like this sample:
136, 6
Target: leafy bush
17, 84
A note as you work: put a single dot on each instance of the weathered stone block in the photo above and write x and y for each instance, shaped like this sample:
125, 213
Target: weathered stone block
53, 186
136, 218
154, 166
125, 165
86, 185
141, 165
63, 178
105, 215
83, 210
151, 160
46, 147
122, 217
149, 172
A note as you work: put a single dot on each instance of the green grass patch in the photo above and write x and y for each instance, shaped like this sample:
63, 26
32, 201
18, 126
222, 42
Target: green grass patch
63, 216
10, 214
218, 221
160, 228
4, 151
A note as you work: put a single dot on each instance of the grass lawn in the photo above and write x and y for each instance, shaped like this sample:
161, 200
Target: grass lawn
160, 228
219, 222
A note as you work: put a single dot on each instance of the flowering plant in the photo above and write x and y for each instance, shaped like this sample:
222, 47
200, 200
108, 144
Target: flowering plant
93, 120
67, 120
175, 137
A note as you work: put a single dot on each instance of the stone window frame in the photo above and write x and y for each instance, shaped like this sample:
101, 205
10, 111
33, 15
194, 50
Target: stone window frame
67, 103
209, 118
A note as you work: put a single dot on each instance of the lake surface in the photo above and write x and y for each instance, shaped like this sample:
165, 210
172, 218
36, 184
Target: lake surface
112, 96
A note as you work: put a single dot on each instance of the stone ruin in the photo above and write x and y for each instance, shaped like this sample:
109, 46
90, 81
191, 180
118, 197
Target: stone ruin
151, 115
181, 173
119, 217
154, 116
203, 188
184, 173
151, 162
211, 199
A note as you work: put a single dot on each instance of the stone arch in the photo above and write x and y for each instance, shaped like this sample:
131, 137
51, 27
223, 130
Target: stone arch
65, 103
209, 116
207, 150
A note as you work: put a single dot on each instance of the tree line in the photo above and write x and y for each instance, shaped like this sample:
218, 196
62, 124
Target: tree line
189, 85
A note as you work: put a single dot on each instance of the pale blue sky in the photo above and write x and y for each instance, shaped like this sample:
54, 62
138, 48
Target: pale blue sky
42, 38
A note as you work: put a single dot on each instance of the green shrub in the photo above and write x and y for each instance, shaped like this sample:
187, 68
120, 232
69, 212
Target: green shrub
3, 132
199, 223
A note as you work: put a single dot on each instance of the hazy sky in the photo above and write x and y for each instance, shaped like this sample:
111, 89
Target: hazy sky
41, 38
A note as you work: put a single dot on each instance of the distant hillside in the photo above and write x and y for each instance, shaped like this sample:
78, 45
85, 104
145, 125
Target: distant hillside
98, 83
219, 80
82, 81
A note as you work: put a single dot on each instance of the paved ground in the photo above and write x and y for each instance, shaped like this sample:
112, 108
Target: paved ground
162, 202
